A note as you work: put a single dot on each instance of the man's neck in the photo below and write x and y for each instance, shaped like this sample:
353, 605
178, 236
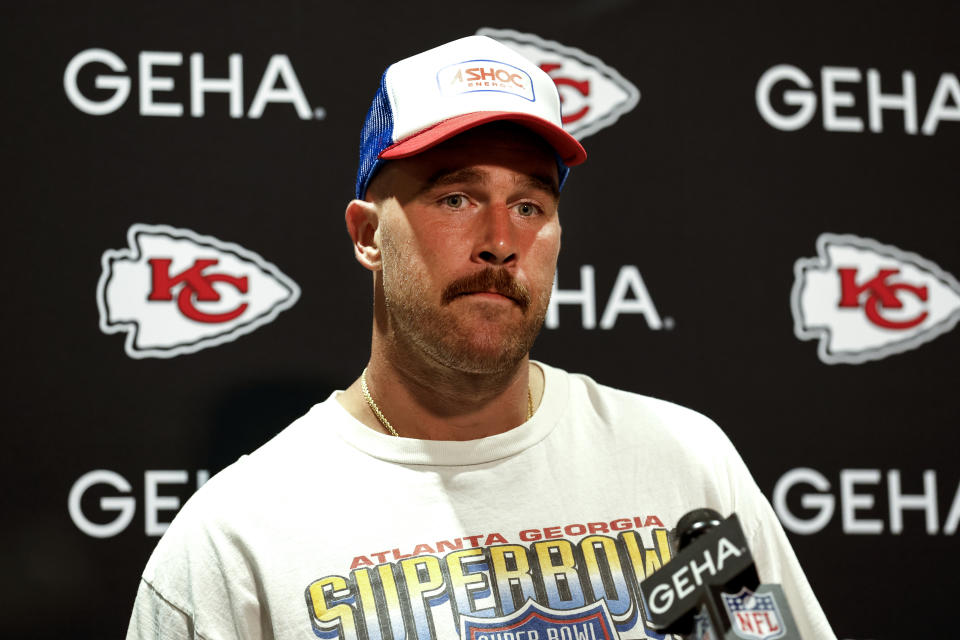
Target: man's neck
424, 401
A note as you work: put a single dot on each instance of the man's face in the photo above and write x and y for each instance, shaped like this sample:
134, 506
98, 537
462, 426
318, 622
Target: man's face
469, 237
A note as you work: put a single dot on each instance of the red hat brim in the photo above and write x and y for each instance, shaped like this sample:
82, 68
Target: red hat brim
567, 147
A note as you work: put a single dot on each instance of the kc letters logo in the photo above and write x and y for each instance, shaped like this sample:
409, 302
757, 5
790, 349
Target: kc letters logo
174, 291
865, 301
593, 95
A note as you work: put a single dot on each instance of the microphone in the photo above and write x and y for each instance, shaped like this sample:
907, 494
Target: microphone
710, 590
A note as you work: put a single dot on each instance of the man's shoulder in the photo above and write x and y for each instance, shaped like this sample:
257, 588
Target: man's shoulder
628, 418
242, 499
611, 401
256, 477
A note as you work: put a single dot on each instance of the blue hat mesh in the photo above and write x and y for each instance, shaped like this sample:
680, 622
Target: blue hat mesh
562, 172
377, 135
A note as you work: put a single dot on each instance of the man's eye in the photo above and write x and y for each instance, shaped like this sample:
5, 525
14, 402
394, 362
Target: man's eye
526, 209
454, 201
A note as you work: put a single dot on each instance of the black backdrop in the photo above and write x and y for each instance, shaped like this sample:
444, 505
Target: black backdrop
692, 189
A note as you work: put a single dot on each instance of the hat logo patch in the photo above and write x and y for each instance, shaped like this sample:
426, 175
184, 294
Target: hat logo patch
471, 76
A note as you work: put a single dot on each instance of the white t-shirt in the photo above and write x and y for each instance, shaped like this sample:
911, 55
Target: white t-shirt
333, 530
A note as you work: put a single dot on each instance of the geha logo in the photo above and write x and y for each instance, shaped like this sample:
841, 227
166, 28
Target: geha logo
629, 295
838, 104
485, 75
861, 495
865, 301
278, 85
155, 500
593, 95
174, 292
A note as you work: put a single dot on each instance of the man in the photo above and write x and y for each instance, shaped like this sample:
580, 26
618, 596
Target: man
456, 486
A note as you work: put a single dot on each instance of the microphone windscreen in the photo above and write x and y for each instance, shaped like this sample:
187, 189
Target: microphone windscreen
694, 524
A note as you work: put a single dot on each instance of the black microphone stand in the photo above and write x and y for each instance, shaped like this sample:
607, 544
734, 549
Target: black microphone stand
711, 591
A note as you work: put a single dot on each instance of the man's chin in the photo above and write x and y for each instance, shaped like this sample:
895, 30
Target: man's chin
483, 364
485, 351
482, 338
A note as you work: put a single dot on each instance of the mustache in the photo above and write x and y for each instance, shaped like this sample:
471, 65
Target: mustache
490, 279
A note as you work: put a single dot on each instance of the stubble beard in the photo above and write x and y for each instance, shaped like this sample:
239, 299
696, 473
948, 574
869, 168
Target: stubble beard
472, 339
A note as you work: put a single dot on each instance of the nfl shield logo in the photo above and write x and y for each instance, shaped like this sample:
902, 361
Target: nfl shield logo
754, 616
535, 621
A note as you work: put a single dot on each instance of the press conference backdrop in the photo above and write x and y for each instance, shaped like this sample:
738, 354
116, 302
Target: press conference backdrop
765, 231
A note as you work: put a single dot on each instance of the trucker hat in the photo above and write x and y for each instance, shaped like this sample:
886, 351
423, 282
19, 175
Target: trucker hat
435, 95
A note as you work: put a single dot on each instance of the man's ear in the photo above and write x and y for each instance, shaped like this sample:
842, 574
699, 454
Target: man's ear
363, 219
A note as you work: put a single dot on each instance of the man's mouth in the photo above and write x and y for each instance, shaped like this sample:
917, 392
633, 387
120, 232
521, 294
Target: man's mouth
495, 284
493, 295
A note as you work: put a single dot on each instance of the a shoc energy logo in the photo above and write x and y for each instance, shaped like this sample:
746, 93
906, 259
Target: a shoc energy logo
174, 292
787, 99
97, 82
593, 95
485, 75
865, 301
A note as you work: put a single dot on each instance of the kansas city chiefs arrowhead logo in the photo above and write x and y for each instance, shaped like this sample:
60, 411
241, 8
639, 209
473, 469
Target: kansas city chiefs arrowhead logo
865, 301
593, 95
174, 291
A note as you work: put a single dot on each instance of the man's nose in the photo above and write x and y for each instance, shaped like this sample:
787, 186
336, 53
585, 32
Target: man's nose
496, 244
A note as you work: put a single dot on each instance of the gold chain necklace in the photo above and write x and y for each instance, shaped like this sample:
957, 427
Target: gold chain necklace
386, 423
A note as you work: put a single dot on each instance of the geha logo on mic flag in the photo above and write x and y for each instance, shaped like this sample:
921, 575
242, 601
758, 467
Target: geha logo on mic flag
864, 300
174, 291
593, 95
754, 616
535, 622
